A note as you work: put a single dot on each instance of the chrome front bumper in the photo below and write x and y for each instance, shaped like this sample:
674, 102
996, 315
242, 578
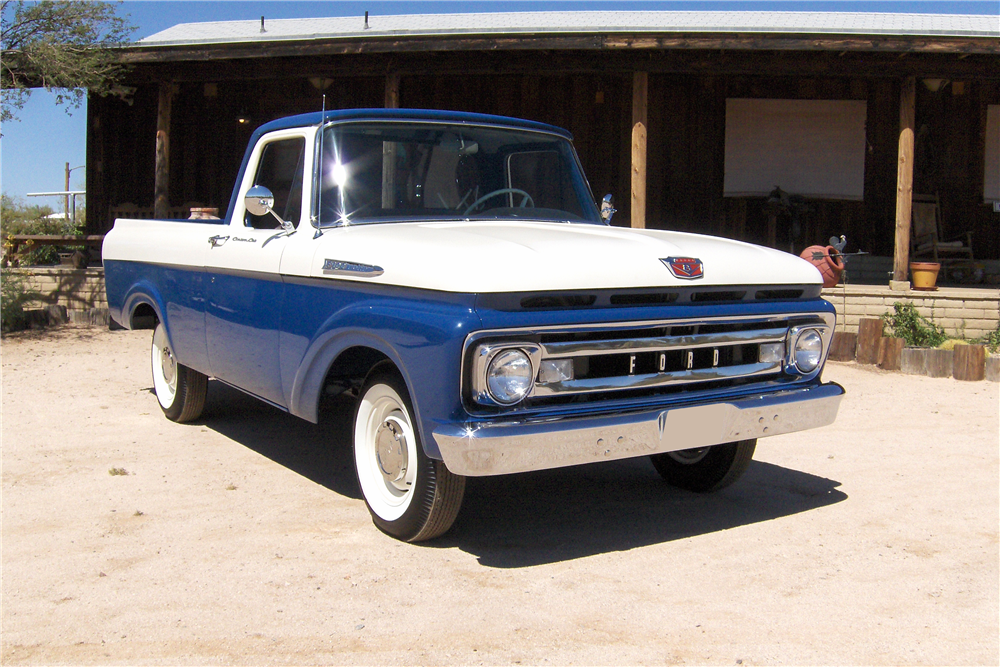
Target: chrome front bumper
497, 448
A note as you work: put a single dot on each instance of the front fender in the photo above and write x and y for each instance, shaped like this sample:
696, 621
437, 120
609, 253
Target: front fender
307, 387
421, 333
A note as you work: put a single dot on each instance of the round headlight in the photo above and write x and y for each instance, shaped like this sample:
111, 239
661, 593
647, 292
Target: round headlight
509, 377
808, 350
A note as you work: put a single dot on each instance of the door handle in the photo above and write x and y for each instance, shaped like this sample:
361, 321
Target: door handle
216, 241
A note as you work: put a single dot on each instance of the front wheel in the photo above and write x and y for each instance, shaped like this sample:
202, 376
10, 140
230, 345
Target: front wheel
410, 496
180, 390
705, 469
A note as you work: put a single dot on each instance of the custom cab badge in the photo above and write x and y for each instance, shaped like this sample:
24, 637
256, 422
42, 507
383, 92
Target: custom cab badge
685, 268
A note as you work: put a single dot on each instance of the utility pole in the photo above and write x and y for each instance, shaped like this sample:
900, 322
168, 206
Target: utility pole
66, 206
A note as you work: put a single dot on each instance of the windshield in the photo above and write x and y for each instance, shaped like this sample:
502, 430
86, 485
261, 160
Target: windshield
387, 171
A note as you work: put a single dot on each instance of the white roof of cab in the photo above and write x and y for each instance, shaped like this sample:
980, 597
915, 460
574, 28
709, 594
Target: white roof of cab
554, 23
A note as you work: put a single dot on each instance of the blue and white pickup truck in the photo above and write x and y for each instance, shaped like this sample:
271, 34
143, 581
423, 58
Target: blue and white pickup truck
453, 273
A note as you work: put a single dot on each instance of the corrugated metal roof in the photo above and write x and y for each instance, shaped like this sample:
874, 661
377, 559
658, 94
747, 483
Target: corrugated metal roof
555, 23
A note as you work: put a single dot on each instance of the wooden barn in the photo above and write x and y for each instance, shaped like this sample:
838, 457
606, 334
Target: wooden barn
693, 120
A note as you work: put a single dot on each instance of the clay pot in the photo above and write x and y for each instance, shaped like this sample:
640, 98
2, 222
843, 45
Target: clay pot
827, 260
923, 275
204, 214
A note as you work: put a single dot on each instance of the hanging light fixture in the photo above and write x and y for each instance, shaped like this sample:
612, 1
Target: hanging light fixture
935, 85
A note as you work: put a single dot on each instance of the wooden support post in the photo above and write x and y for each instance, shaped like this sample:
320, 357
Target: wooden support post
938, 363
844, 346
992, 369
392, 90
161, 183
970, 362
869, 340
913, 360
640, 100
890, 354
904, 178
389, 147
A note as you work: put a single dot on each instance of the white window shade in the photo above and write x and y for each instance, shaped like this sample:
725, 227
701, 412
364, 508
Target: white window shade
991, 181
814, 148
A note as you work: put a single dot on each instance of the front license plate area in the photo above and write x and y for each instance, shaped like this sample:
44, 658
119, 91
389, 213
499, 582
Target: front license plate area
700, 426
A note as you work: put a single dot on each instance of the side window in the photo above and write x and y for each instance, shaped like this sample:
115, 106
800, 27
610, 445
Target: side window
280, 170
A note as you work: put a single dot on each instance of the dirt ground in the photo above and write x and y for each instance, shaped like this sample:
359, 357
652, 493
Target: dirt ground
241, 539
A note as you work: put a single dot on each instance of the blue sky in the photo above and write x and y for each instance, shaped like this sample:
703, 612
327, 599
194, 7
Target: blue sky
34, 151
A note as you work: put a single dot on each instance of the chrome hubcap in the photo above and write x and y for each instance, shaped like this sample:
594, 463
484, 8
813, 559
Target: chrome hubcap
168, 365
390, 450
689, 456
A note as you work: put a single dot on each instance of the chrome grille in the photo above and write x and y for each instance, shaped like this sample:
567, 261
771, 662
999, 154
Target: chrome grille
639, 359
615, 364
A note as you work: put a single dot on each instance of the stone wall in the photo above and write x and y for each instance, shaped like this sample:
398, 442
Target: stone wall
78, 290
962, 312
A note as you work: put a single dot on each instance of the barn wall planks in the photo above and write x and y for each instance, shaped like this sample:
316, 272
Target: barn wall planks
589, 93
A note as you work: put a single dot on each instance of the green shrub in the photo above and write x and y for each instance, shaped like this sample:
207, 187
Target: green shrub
14, 293
906, 323
992, 340
18, 218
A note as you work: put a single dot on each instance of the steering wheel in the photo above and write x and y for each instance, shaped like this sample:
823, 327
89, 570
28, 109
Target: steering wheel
525, 201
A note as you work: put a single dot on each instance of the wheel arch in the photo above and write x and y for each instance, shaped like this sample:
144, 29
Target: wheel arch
144, 308
339, 356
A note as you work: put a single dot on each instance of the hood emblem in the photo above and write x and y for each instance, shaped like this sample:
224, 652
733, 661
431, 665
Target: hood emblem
685, 268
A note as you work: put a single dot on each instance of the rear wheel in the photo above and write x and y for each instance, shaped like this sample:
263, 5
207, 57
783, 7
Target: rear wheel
180, 390
705, 469
410, 496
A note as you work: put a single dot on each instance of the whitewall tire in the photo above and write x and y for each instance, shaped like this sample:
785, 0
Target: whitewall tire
410, 496
180, 390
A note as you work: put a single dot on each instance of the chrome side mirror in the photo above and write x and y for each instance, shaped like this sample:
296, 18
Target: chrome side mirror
607, 208
259, 200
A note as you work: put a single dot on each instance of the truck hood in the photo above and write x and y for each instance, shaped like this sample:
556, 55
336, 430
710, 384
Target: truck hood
524, 256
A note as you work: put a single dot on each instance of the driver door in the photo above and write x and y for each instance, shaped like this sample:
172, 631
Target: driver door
245, 291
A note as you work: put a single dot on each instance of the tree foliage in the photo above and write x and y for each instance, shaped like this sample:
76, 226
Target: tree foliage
64, 46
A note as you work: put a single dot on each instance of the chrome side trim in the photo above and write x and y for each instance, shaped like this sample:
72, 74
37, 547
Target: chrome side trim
594, 348
496, 448
649, 380
335, 267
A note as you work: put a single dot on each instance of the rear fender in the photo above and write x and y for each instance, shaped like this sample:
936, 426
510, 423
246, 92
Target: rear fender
144, 292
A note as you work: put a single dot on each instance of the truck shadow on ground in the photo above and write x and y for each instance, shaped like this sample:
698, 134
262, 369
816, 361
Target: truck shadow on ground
557, 515
532, 518
319, 452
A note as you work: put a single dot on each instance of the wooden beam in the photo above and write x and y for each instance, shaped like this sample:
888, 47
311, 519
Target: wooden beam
161, 186
622, 61
574, 42
640, 104
904, 178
